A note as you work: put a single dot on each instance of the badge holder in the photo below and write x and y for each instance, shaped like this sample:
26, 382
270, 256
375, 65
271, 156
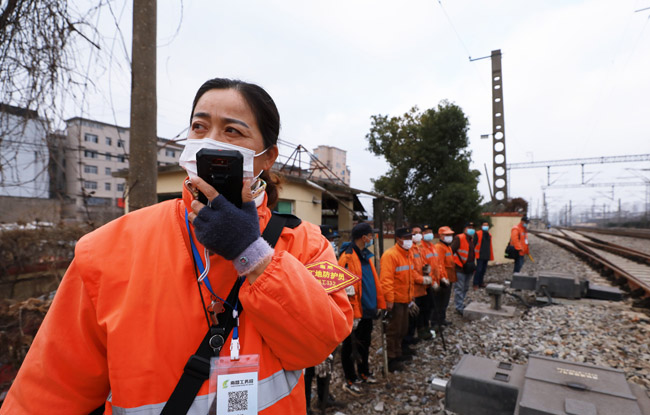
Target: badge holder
233, 385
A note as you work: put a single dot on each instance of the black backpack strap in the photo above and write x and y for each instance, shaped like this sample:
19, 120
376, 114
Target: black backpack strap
277, 222
197, 368
273, 229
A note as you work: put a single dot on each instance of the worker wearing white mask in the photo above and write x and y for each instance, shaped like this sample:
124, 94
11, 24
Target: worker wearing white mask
397, 269
447, 275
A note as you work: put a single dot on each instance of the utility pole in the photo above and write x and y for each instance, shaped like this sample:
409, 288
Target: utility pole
570, 213
499, 167
143, 153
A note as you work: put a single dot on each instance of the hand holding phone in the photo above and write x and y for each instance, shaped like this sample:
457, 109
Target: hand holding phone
223, 170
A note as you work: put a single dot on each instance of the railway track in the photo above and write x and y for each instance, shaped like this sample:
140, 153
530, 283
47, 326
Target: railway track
624, 266
634, 233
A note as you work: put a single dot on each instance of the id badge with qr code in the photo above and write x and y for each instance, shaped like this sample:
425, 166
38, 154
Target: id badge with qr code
233, 385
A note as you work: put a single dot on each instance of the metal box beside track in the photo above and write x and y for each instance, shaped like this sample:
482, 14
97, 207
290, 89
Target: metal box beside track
604, 292
523, 282
483, 386
553, 386
545, 386
561, 285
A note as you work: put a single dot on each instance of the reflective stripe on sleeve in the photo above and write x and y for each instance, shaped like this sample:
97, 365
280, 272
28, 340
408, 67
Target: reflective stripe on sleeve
429, 255
403, 268
276, 387
416, 255
270, 390
199, 407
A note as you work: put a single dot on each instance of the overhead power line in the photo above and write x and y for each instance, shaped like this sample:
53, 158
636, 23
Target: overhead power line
580, 161
579, 185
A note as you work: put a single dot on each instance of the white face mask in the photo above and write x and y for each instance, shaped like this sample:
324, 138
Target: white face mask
417, 237
428, 237
192, 146
447, 239
407, 244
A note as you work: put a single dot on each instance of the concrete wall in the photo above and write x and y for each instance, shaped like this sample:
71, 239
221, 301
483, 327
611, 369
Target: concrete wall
26, 209
502, 224
170, 182
345, 215
303, 197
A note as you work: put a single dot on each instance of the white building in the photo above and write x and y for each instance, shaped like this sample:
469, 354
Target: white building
93, 151
336, 160
24, 154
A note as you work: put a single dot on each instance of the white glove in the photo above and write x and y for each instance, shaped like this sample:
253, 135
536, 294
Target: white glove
436, 286
426, 280
414, 310
325, 368
355, 323
349, 290
445, 281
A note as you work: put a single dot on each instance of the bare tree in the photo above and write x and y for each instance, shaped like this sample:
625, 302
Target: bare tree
39, 45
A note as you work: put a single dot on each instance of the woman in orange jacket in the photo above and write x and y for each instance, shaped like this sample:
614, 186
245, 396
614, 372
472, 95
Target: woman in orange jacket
130, 311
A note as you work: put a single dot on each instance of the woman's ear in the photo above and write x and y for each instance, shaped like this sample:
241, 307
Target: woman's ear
269, 157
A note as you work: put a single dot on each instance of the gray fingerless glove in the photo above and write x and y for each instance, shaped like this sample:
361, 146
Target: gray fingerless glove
232, 233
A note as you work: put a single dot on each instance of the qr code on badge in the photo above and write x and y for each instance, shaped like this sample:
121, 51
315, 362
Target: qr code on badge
238, 401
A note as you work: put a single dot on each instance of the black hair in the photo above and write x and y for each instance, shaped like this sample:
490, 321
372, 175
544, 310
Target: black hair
266, 115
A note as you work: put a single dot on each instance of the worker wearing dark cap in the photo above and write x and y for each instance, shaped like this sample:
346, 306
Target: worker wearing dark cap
366, 299
519, 239
396, 278
330, 233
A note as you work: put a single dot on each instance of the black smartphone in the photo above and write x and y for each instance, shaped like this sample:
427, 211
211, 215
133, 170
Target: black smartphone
223, 170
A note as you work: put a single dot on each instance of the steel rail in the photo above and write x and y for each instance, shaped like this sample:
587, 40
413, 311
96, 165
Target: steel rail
639, 289
635, 233
620, 250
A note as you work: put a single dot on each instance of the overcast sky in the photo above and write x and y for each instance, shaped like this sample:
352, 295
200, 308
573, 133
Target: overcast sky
576, 78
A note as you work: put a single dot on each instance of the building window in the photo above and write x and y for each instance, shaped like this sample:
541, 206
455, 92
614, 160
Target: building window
120, 187
107, 186
121, 158
109, 141
91, 138
120, 143
284, 206
108, 156
170, 153
90, 185
98, 201
90, 169
90, 154
107, 171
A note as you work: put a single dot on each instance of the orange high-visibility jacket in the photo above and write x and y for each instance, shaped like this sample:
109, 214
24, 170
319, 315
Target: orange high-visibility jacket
519, 238
447, 259
350, 260
396, 275
128, 315
432, 257
419, 260
462, 253
477, 248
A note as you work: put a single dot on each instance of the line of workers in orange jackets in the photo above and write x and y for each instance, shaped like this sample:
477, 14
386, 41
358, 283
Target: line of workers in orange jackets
414, 288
